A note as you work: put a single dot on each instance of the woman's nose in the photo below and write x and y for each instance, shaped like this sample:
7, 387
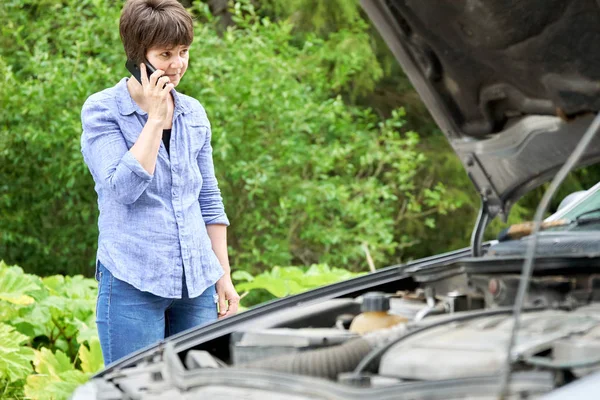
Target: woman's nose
177, 63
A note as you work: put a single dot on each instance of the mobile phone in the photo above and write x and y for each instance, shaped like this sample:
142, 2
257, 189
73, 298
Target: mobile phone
136, 72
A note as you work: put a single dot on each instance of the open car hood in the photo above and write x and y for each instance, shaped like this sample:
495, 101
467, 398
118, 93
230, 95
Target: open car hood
513, 85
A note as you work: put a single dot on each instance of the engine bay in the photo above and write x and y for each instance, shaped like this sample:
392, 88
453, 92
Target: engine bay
445, 334
417, 335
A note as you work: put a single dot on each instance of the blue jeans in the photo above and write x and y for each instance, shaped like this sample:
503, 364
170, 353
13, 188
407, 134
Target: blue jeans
129, 319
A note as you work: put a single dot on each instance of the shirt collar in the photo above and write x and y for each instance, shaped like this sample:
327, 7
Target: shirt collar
127, 106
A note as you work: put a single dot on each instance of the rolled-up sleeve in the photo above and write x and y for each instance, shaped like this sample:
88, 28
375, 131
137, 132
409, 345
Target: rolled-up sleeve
106, 154
211, 201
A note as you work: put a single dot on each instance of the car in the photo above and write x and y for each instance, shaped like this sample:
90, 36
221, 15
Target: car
513, 86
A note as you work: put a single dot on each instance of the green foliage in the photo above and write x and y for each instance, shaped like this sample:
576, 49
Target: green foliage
52, 56
305, 177
15, 359
13, 286
315, 15
284, 281
312, 177
91, 359
348, 51
63, 309
55, 376
48, 339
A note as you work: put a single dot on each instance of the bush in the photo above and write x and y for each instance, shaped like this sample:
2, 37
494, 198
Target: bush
48, 333
306, 178
281, 282
52, 56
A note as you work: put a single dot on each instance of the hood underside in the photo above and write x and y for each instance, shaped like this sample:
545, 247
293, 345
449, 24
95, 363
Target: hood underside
512, 84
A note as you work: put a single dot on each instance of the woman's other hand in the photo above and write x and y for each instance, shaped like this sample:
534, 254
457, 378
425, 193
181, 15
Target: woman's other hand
156, 92
228, 297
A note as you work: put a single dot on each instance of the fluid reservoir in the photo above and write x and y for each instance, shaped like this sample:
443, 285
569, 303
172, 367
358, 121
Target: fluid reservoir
374, 314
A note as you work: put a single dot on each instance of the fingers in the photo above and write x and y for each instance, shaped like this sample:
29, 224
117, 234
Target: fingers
143, 74
222, 306
156, 89
233, 307
154, 78
162, 81
228, 307
157, 81
167, 88
164, 86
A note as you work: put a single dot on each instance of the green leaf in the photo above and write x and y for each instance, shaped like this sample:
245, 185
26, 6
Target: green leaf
55, 377
71, 287
8, 312
86, 332
44, 387
54, 284
242, 276
284, 281
275, 285
15, 284
37, 318
317, 269
91, 359
15, 359
48, 363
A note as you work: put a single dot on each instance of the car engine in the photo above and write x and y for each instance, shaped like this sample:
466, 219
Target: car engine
426, 331
449, 329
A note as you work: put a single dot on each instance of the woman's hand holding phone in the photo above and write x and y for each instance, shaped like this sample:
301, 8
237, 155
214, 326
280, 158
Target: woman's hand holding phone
156, 90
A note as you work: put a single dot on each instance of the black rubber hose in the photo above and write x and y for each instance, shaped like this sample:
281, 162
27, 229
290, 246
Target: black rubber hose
356, 354
326, 363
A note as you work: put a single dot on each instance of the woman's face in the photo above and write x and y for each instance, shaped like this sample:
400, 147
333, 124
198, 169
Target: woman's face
172, 60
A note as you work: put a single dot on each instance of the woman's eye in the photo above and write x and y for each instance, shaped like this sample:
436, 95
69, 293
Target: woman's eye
185, 51
166, 54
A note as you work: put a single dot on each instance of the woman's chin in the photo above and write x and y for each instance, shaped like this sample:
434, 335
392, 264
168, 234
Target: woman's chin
175, 79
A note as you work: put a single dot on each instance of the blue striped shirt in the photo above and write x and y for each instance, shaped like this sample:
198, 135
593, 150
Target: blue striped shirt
152, 227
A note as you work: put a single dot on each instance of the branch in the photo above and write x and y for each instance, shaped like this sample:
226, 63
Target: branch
62, 332
365, 248
422, 214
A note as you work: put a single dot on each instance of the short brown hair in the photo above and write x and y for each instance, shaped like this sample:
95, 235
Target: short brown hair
148, 23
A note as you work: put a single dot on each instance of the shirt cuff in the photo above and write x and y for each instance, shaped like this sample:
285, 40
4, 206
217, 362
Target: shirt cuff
134, 165
220, 220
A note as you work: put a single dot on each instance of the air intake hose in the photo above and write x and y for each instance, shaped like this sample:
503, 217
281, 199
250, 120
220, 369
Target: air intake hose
326, 363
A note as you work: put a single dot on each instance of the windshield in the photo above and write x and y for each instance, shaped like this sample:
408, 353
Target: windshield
586, 203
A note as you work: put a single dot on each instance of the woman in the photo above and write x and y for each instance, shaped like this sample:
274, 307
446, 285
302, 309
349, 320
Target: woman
162, 263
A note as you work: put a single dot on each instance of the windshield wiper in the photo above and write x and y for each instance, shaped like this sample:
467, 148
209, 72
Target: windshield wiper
584, 218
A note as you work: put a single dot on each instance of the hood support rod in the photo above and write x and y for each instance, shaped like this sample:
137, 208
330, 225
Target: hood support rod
483, 219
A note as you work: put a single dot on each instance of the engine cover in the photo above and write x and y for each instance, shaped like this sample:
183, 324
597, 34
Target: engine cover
478, 347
